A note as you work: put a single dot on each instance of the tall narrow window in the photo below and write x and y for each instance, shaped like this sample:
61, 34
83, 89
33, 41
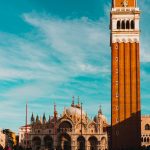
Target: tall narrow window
132, 24
123, 24
147, 127
127, 25
118, 24
142, 139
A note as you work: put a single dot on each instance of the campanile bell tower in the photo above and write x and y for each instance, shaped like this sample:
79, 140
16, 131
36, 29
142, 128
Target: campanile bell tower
125, 86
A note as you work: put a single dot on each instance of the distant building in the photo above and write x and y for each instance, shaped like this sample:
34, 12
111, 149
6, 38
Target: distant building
145, 130
10, 137
74, 130
2, 139
22, 136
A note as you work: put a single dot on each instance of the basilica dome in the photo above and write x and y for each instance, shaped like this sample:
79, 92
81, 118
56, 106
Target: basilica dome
74, 111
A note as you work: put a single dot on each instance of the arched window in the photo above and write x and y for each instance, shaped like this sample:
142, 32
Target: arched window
142, 139
147, 127
145, 139
127, 25
36, 141
118, 25
148, 140
132, 24
123, 24
48, 142
65, 126
81, 143
93, 143
64, 141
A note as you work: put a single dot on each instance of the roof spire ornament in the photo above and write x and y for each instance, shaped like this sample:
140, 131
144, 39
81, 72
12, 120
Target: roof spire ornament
72, 102
65, 111
55, 111
100, 109
78, 105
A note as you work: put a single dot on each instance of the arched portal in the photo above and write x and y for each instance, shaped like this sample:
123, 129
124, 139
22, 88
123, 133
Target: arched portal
36, 143
93, 143
65, 126
48, 142
64, 142
81, 143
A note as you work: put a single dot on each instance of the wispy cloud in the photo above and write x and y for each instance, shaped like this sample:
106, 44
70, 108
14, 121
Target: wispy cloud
47, 62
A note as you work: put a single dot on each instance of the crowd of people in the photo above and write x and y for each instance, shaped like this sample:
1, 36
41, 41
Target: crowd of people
11, 148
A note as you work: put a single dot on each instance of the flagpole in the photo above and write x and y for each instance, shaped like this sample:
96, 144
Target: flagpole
26, 124
54, 124
81, 118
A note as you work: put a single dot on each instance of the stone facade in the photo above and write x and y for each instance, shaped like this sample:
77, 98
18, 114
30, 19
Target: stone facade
74, 130
145, 130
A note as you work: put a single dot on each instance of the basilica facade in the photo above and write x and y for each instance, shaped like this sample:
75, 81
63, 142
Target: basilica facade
73, 130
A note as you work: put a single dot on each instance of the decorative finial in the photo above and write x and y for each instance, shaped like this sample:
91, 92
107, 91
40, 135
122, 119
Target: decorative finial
54, 107
64, 110
78, 105
72, 102
55, 111
100, 109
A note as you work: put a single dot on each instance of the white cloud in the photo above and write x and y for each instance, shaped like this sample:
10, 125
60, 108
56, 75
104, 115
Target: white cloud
56, 52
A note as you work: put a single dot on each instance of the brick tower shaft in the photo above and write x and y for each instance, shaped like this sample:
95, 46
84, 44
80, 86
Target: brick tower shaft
125, 98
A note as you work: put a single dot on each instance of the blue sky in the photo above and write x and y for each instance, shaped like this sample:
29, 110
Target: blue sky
51, 50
